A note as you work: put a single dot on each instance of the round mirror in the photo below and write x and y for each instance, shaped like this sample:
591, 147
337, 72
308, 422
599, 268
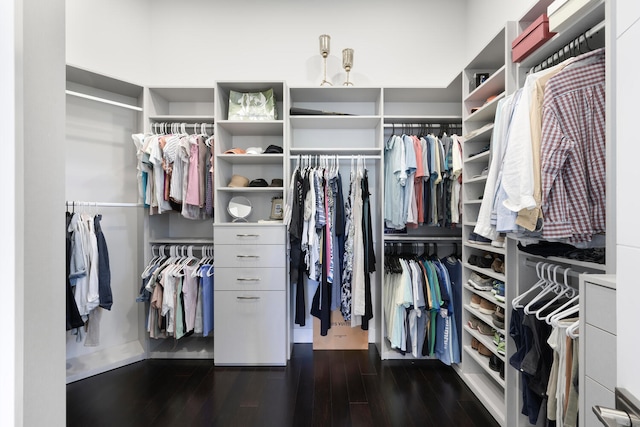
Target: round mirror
239, 208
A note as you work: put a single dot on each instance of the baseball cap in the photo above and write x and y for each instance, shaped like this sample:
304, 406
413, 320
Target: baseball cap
273, 149
255, 150
235, 151
238, 181
258, 182
276, 182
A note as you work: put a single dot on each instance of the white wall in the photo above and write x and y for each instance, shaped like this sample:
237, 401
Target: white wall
483, 19
196, 42
628, 151
33, 304
109, 37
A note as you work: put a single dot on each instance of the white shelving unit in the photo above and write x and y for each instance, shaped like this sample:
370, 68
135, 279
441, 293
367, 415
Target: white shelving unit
188, 106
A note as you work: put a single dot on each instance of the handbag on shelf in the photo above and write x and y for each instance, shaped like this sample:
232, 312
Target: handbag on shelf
252, 105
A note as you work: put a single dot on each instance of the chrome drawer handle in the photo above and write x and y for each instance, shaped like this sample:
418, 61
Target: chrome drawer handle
247, 256
248, 297
247, 235
247, 279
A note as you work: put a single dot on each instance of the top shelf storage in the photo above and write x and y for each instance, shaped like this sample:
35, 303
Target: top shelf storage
87, 84
194, 104
224, 88
359, 101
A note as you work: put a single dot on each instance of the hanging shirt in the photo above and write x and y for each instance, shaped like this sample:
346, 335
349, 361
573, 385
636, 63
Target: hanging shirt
573, 151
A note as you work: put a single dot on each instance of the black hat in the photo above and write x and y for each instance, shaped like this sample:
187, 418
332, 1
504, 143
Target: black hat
258, 183
276, 182
273, 149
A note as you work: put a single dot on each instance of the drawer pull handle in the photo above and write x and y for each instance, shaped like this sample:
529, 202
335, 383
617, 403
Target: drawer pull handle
247, 235
248, 297
248, 279
248, 256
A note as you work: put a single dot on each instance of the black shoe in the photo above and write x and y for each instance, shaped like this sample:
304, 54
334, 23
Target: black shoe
495, 363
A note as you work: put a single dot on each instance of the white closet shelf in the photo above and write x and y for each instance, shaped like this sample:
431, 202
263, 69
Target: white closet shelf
181, 240
251, 189
485, 294
375, 152
487, 340
570, 262
480, 134
494, 85
254, 159
481, 179
487, 112
335, 122
483, 361
418, 119
252, 128
487, 248
489, 393
486, 271
184, 94
482, 157
182, 118
335, 94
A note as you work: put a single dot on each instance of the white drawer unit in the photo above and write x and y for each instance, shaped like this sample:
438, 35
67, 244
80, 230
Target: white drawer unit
254, 279
598, 342
250, 295
255, 328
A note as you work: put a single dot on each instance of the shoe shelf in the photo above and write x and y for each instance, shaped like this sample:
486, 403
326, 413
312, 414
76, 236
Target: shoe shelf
483, 361
486, 318
490, 394
487, 272
481, 179
488, 295
482, 157
486, 248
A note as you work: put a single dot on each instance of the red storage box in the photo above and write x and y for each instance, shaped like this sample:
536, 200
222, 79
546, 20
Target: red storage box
532, 38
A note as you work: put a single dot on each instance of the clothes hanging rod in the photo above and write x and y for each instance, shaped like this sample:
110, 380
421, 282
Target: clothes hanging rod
336, 156
422, 125
565, 52
103, 100
422, 239
183, 122
561, 270
104, 204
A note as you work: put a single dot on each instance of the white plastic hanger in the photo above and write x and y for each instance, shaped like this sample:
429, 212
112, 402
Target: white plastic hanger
573, 330
549, 287
564, 314
563, 291
515, 303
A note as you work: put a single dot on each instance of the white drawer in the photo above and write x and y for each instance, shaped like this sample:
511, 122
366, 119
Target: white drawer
255, 328
600, 356
250, 256
247, 278
595, 394
600, 306
250, 235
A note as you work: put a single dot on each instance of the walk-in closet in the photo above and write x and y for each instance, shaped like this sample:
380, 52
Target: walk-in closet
326, 209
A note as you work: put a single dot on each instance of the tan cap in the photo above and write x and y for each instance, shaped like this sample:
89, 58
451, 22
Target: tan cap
239, 181
235, 151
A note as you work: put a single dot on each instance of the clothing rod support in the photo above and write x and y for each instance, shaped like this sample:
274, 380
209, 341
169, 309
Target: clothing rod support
104, 204
103, 100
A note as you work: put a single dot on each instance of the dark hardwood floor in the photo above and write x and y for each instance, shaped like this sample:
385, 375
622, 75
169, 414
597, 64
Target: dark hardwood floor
321, 388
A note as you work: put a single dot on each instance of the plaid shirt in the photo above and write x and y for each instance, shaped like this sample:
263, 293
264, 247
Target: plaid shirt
573, 151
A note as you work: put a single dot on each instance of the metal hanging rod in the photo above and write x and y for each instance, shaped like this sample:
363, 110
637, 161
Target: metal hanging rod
103, 204
103, 100
574, 271
568, 50
423, 125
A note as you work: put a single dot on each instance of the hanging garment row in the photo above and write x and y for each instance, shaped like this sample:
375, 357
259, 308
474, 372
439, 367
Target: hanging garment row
331, 241
544, 326
175, 169
422, 180
422, 303
547, 174
88, 273
179, 289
